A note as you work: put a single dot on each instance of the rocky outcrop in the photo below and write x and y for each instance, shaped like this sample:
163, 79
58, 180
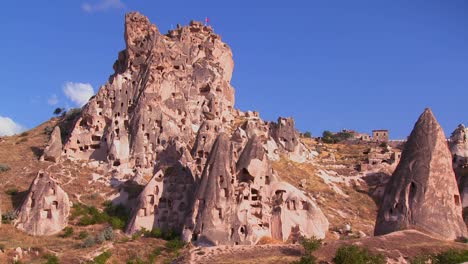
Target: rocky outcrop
167, 114
164, 88
459, 148
241, 203
45, 209
54, 148
422, 194
285, 134
165, 202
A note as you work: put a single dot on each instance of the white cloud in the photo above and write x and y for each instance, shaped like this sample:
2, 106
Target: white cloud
79, 93
53, 100
8, 127
102, 5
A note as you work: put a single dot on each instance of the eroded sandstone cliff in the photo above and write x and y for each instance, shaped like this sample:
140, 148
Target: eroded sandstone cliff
422, 194
167, 114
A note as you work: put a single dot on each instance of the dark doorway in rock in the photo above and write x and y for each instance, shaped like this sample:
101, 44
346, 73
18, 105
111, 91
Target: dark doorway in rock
245, 176
456, 198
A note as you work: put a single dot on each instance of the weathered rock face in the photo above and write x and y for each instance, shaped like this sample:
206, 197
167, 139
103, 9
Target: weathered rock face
164, 87
285, 133
459, 149
167, 114
422, 194
240, 203
54, 148
46, 208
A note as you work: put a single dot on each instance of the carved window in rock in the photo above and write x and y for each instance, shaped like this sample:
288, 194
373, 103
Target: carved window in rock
255, 195
305, 205
150, 199
33, 202
55, 204
200, 153
221, 179
245, 176
243, 231
267, 179
46, 213
456, 199
156, 188
220, 213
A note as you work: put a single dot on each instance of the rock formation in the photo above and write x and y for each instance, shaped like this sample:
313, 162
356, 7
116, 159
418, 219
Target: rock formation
45, 209
459, 149
240, 203
54, 148
167, 114
422, 194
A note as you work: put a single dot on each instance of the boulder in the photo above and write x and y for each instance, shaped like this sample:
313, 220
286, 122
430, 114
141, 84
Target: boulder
422, 193
54, 148
45, 209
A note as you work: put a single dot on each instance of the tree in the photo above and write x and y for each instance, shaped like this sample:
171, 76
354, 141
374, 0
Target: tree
307, 134
328, 137
59, 110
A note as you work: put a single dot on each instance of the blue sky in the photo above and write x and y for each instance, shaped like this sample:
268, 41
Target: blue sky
329, 64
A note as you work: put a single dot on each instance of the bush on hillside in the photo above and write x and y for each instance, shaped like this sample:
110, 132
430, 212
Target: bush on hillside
357, 255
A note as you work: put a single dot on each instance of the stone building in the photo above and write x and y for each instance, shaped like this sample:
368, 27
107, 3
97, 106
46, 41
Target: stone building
380, 135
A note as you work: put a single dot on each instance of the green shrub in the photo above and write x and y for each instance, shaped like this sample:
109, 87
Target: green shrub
174, 245
170, 234
117, 223
307, 134
4, 167
447, 257
451, 257
108, 233
67, 232
89, 242
155, 253
8, 217
59, 111
309, 245
100, 238
118, 215
51, 259
331, 138
356, 255
420, 259
136, 260
102, 258
83, 235
115, 215
48, 130
12, 191
24, 134
328, 137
